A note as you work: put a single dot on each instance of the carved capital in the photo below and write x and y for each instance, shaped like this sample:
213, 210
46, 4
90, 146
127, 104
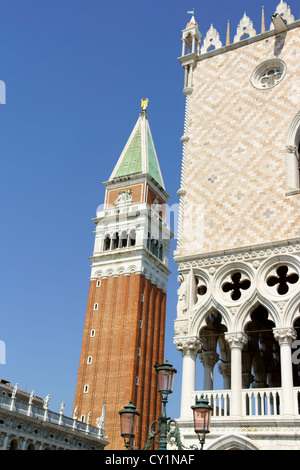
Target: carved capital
236, 340
209, 358
285, 335
187, 345
224, 369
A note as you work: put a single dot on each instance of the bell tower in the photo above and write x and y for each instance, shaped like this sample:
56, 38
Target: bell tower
124, 328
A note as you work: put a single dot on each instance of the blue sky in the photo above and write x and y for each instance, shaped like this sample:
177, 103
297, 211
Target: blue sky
75, 72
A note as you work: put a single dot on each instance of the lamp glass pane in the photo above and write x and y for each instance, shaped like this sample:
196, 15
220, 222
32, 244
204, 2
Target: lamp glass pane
165, 380
202, 420
128, 424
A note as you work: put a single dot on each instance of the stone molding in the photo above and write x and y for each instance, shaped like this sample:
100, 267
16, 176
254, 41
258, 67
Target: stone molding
133, 266
251, 254
204, 280
261, 434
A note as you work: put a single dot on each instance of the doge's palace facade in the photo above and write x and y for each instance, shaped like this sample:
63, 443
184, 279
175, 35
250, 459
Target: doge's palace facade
238, 250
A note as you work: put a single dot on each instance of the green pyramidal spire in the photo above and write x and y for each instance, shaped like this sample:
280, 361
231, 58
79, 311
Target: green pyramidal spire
139, 155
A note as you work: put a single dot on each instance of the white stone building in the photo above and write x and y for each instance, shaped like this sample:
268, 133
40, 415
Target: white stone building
27, 423
238, 249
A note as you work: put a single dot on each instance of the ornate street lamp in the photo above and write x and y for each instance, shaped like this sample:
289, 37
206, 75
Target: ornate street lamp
166, 374
128, 420
129, 415
202, 415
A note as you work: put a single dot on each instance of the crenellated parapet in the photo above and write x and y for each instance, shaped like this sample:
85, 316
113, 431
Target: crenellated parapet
193, 49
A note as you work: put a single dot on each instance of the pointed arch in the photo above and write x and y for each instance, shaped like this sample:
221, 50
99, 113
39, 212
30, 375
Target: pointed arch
244, 314
292, 310
233, 442
199, 318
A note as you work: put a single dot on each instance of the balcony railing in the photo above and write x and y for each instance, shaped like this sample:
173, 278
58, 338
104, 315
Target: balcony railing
18, 406
256, 402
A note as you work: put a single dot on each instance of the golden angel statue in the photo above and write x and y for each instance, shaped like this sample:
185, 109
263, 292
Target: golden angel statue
144, 103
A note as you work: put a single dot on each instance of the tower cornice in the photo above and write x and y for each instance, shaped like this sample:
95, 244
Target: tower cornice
138, 177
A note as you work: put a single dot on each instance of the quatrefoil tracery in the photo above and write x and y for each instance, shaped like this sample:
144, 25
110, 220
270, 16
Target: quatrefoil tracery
282, 280
236, 286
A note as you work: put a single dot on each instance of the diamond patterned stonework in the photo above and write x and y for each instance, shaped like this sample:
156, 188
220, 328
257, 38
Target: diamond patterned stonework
242, 140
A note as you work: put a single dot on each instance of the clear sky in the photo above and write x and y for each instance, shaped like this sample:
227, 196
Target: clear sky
75, 72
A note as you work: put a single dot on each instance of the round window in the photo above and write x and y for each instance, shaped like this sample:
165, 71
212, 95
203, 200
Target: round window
268, 74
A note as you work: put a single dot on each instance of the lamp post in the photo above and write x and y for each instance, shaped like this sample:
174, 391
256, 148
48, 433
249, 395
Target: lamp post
166, 374
202, 415
128, 419
202, 412
129, 415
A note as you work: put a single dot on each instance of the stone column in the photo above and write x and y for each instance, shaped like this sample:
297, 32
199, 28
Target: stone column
285, 337
236, 342
183, 47
209, 360
189, 348
193, 44
5, 442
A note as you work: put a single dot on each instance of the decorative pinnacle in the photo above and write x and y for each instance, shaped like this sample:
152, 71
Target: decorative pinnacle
228, 34
263, 25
